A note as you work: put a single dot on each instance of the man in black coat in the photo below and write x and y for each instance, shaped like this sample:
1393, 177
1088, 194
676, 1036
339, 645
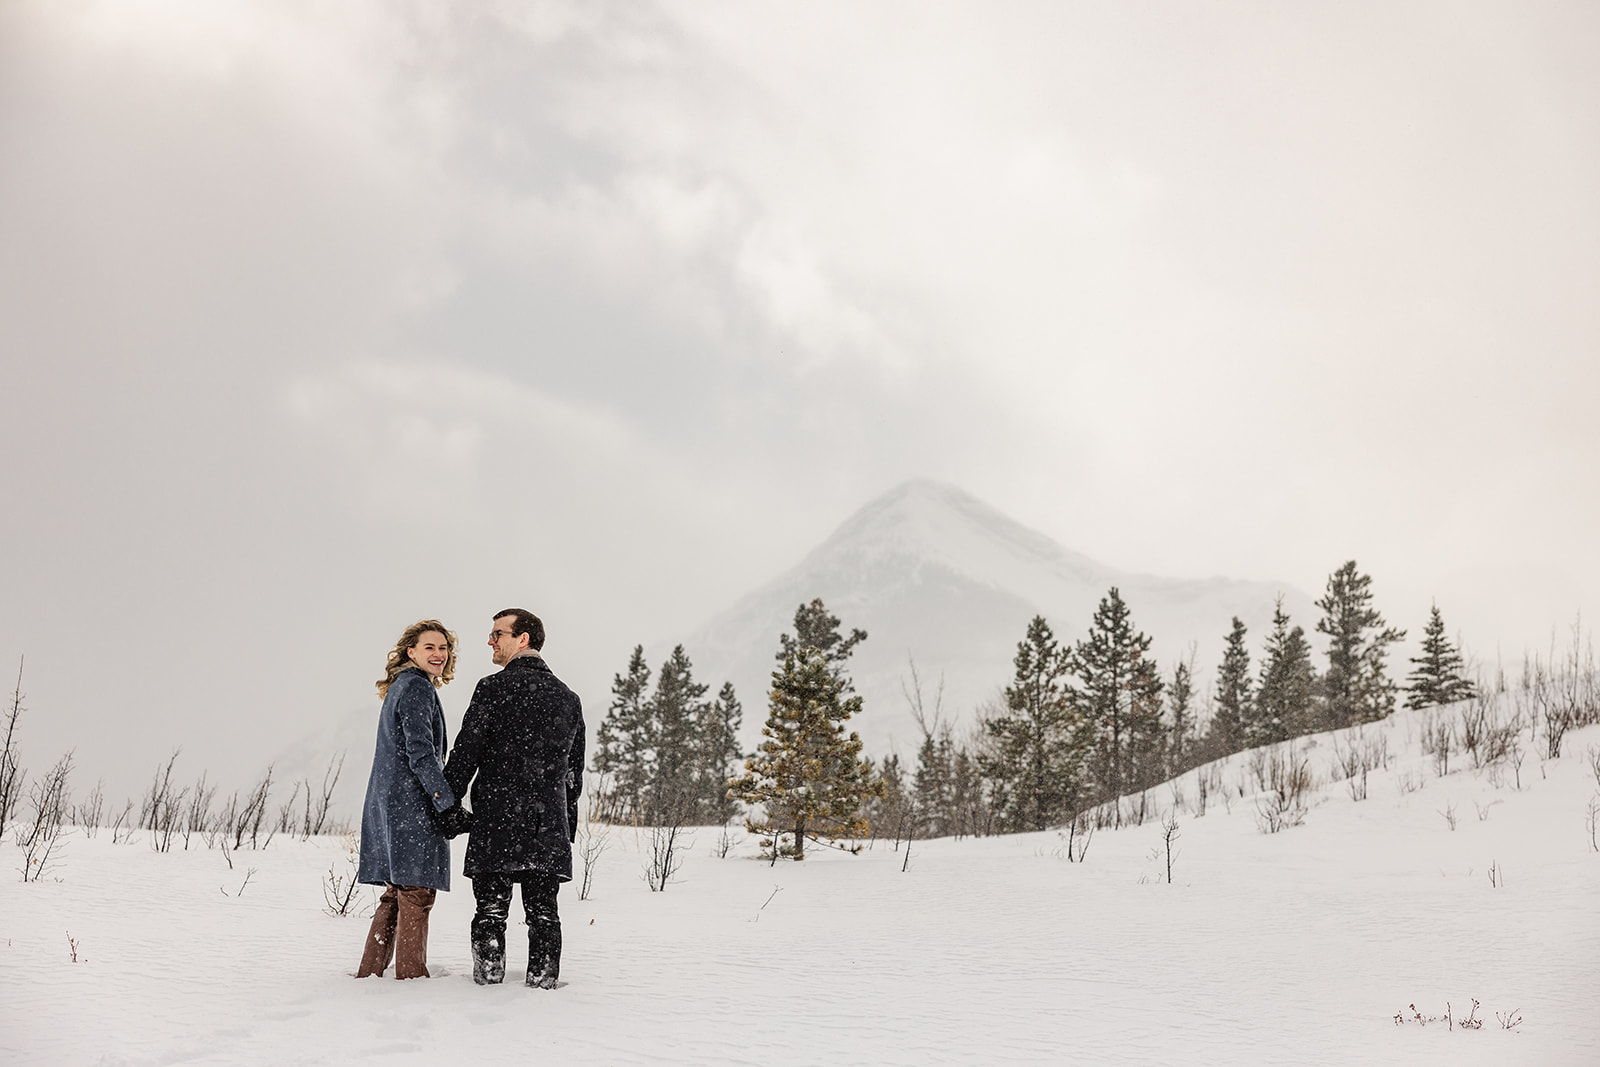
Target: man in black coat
521, 749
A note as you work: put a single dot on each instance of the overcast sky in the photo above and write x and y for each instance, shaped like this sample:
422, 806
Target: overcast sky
319, 318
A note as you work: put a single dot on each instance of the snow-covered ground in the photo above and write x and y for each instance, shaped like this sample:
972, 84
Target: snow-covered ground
1298, 947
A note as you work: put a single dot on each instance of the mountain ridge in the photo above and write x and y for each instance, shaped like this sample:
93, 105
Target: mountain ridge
938, 576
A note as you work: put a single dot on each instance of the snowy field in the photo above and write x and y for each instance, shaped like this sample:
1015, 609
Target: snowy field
1296, 947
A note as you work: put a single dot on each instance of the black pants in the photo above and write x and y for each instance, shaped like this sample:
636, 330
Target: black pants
493, 894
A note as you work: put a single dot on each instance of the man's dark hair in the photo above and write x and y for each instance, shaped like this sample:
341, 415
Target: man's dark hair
527, 623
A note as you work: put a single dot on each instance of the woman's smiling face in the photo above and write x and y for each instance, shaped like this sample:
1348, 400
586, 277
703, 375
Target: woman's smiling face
431, 652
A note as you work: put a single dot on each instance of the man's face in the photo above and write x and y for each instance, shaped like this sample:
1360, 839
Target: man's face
431, 652
504, 642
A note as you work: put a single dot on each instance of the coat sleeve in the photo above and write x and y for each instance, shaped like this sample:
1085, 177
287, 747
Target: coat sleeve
468, 753
414, 712
575, 756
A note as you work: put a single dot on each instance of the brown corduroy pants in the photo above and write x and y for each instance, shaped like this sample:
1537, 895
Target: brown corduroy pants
399, 932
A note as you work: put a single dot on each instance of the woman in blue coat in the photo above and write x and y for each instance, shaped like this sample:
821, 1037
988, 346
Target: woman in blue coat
402, 848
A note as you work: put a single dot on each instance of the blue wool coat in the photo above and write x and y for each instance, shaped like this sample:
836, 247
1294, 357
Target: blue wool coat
398, 841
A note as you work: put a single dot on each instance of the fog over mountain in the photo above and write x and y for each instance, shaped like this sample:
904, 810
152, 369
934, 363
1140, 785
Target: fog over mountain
936, 575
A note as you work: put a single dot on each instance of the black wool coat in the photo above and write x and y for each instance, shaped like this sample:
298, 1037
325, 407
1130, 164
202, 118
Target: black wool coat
521, 749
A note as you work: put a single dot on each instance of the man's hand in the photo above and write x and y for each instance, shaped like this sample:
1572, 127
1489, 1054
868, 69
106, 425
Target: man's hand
453, 821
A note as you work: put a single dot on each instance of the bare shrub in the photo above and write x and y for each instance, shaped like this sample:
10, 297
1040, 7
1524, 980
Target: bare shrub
122, 826
1592, 822
1075, 838
1474, 723
1284, 804
197, 814
1438, 738
40, 837
1139, 811
161, 810
12, 776
241, 820
1169, 837
669, 840
1202, 791
91, 810
593, 839
1259, 761
1449, 815
340, 885
317, 810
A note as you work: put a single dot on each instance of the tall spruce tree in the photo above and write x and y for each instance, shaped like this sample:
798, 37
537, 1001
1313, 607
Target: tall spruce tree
815, 628
1355, 687
1036, 757
1283, 706
720, 753
1180, 715
1233, 699
808, 774
625, 743
679, 712
1438, 676
1118, 700
933, 785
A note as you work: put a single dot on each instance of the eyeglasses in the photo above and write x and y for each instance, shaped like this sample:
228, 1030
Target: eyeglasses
496, 635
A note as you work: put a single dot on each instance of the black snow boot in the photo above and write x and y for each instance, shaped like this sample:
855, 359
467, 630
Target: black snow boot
544, 953
489, 961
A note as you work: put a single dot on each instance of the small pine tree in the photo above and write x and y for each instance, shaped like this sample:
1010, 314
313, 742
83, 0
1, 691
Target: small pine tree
1438, 676
932, 785
1355, 688
893, 813
1036, 758
1180, 714
1232, 697
807, 775
625, 742
720, 754
1283, 706
678, 711
1118, 700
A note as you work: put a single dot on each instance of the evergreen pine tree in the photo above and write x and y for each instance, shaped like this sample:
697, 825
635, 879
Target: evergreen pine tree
893, 813
972, 806
1283, 706
807, 775
625, 742
1232, 698
815, 628
1438, 675
720, 754
1035, 756
932, 785
1355, 688
679, 711
1118, 699
1180, 714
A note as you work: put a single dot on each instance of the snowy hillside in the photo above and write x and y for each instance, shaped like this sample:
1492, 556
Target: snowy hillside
1472, 892
931, 572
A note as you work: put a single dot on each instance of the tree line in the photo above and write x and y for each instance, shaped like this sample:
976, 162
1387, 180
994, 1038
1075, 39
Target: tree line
1078, 725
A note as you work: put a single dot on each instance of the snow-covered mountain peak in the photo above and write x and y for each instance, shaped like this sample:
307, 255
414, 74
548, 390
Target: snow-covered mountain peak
934, 574
923, 522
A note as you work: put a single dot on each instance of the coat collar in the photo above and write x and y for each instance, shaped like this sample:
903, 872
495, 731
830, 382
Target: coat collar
527, 660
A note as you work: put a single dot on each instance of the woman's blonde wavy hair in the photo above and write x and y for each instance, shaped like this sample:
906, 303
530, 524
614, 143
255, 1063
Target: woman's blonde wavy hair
399, 661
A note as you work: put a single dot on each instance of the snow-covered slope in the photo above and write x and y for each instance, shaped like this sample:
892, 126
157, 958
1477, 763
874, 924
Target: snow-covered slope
933, 573
1300, 947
